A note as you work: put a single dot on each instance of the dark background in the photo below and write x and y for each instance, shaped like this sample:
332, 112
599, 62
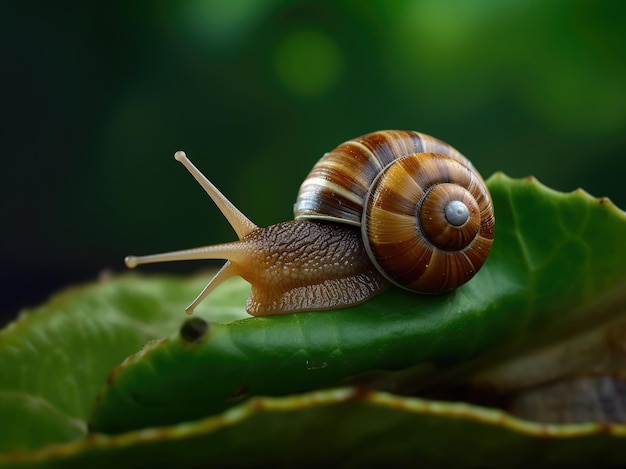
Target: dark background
97, 96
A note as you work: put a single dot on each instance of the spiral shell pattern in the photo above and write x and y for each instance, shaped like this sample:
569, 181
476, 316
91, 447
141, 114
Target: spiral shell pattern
427, 221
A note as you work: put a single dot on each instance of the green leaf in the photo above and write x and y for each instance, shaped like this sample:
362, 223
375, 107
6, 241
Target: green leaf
552, 272
55, 358
555, 277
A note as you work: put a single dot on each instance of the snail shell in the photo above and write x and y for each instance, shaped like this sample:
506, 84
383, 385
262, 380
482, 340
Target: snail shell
425, 213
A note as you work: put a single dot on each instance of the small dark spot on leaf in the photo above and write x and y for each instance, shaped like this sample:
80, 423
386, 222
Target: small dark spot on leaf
194, 329
240, 393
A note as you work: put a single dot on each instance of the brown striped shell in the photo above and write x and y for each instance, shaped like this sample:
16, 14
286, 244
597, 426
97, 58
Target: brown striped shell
425, 213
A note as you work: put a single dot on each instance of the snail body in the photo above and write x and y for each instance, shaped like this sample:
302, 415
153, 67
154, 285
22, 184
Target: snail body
396, 207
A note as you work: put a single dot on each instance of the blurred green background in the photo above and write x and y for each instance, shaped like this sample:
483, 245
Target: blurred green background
97, 96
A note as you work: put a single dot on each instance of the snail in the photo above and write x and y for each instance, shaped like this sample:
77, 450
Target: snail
390, 207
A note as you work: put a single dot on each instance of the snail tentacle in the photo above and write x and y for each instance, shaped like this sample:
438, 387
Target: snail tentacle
240, 223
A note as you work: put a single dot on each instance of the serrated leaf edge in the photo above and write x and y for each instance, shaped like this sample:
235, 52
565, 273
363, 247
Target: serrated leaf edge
578, 192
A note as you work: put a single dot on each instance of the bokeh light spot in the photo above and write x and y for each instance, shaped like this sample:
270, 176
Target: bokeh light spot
308, 63
225, 24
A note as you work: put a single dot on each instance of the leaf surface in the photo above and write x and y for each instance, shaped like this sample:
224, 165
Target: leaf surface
555, 273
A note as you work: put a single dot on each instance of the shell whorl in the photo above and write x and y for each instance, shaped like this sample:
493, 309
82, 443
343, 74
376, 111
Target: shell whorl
336, 187
427, 222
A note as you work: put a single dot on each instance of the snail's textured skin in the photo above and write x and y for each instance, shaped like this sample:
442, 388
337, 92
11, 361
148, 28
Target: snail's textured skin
307, 265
